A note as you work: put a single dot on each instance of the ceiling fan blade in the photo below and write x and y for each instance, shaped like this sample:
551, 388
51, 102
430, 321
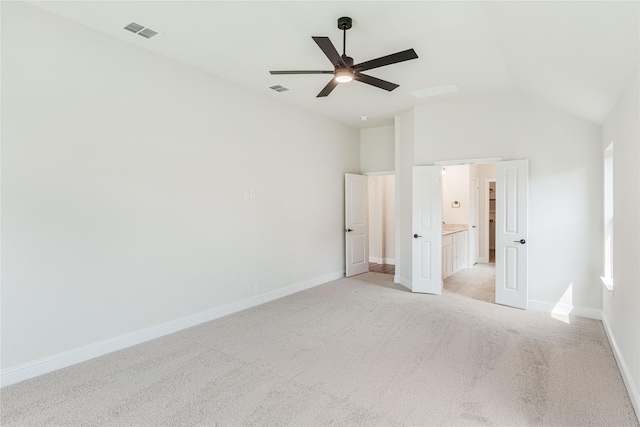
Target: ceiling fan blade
394, 58
329, 49
301, 72
328, 88
374, 81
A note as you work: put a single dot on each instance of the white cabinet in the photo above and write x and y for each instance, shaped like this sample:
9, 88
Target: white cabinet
455, 252
447, 255
462, 239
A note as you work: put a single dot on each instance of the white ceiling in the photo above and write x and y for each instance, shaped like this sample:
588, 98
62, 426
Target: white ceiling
575, 56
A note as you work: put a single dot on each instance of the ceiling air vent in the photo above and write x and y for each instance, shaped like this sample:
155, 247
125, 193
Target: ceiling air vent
147, 33
279, 88
140, 30
133, 27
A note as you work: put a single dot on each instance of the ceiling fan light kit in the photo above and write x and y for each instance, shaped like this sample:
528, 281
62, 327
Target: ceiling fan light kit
344, 76
344, 69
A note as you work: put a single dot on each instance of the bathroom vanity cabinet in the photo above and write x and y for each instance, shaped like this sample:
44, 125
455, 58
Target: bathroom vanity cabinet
455, 250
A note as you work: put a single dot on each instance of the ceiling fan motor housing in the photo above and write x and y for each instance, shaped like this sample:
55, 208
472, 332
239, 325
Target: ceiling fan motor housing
348, 61
344, 23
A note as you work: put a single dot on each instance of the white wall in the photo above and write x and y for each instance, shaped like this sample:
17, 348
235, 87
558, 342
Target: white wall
455, 188
377, 154
382, 229
377, 149
622, 307
123, 179
405, 131
565, 185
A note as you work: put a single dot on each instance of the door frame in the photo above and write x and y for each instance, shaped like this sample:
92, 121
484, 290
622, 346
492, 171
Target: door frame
487, 213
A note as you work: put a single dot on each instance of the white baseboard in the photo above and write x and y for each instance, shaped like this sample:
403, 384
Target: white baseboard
389, 261
632, 388
42, 366
565, 309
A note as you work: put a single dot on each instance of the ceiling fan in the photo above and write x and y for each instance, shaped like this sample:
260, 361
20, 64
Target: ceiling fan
344, 70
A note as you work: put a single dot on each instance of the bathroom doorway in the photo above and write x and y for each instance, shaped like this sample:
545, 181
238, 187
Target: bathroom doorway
472, 274
382, 223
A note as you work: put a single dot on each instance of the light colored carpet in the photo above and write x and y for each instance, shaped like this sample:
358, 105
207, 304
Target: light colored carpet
357, 351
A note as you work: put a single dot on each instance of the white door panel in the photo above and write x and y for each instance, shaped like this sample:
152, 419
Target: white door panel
426, 273
356, 225
511, 233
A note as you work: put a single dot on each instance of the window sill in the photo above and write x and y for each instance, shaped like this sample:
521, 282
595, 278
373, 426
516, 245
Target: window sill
607, 282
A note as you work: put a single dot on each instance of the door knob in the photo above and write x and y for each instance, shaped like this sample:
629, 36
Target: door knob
415, 236
521, 241
348, 230
473, 226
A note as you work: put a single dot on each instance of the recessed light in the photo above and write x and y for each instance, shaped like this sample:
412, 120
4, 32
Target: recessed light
364, 118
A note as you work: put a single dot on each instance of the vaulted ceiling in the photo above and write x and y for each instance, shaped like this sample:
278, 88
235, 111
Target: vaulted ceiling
575, 56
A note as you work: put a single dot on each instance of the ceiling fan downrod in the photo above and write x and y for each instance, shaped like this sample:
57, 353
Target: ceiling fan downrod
344, 24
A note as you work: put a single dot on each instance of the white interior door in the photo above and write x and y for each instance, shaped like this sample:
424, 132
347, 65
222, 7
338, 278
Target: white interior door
426, 270
512, 182
356, 224
474, 230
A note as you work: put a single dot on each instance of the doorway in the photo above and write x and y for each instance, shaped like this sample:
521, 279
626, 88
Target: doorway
468, 215
511, 225
490, 194
382, 223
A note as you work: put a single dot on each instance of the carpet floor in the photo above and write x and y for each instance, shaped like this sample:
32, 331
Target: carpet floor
360, 351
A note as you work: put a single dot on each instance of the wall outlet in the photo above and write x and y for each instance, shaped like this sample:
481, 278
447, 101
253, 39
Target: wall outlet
249, 194
256, 288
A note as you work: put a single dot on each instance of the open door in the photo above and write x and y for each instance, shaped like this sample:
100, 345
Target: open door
512, 185
356, 224
426, 270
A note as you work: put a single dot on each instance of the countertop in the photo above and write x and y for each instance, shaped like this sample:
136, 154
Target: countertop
453, 228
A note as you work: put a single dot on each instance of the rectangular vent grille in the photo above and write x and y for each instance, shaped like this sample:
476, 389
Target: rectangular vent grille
140, 30
279, 88
147, 33
133, 27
